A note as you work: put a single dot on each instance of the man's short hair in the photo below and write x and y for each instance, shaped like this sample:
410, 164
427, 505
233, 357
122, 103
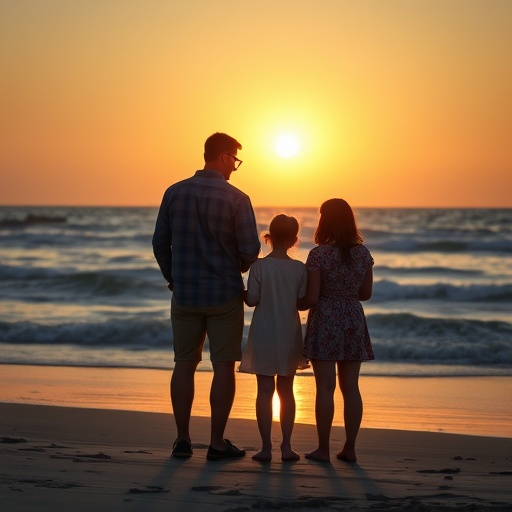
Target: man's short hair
219, 143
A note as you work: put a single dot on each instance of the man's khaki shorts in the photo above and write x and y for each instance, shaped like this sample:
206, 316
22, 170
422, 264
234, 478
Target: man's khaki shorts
223, 325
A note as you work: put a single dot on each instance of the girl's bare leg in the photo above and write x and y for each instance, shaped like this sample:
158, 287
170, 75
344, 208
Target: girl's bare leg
266, 387
287, 415
325, 378
348, 376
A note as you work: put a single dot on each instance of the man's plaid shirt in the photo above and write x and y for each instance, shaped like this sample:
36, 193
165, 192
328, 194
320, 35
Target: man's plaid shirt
205, 236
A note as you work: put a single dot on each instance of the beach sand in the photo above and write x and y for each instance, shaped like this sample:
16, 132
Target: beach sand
62, 458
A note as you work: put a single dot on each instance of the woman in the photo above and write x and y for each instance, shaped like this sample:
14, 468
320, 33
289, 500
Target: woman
340, 275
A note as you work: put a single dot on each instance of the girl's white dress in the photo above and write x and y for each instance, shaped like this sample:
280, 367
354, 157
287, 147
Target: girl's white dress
275, 343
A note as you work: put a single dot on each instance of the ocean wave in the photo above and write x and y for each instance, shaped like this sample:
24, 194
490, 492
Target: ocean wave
131, 285
127, 333
44, 284
386, 235
104, 285
18, 273
408, 337
413, 243
438, 271
31, 219
396, 337
386, 290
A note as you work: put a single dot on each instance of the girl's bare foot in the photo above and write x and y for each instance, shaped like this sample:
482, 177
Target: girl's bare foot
264, 455
318, 455
288, 455
347, 455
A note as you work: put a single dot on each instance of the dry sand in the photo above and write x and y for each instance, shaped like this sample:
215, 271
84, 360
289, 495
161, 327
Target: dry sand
76, 459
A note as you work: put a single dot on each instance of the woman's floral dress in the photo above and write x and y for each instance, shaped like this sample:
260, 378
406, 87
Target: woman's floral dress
336, 329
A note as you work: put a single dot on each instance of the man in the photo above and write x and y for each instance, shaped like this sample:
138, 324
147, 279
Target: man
205, 237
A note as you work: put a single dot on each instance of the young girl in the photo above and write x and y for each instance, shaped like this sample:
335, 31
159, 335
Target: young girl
340, 275
274, 345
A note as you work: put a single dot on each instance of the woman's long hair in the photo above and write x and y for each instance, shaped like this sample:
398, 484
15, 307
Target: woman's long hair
337, 225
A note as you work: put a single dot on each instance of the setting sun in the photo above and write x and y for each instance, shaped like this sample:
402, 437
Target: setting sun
287, 145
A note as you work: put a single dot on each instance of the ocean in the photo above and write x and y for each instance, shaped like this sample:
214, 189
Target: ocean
79, 286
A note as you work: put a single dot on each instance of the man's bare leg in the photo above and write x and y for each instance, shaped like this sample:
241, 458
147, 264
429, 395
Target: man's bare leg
182, 396
222, 394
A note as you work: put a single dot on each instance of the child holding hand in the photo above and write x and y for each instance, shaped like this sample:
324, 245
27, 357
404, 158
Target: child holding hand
274, 345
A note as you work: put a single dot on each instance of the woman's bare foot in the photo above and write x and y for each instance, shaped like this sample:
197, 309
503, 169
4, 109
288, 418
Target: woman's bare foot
264, 455
347, 455
288, 455
318, 455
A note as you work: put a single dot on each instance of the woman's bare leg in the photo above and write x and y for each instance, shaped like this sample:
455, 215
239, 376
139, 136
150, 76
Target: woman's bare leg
348, 376
325, 378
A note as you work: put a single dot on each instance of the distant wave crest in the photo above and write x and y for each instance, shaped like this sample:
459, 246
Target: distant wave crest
132, 334
59, 285
385, 290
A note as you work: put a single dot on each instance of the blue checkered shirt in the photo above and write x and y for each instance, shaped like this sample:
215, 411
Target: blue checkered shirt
205, 236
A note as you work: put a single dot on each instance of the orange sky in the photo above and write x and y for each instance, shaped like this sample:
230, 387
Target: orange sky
394, 103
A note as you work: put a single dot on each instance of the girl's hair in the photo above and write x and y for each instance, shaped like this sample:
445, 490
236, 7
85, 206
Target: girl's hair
283, 229
337, 225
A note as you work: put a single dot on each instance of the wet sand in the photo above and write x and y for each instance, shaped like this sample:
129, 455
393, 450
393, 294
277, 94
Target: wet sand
461, 405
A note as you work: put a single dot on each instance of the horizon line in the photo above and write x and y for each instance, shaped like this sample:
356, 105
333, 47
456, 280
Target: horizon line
27, 205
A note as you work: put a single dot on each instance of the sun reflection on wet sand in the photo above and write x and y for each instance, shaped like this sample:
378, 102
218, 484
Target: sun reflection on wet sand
466, 405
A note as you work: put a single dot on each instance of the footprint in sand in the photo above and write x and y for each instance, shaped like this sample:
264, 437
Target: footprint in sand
147, 489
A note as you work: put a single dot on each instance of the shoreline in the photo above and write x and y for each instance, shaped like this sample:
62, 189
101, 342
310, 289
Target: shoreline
62, 458
377, 369
459, 405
